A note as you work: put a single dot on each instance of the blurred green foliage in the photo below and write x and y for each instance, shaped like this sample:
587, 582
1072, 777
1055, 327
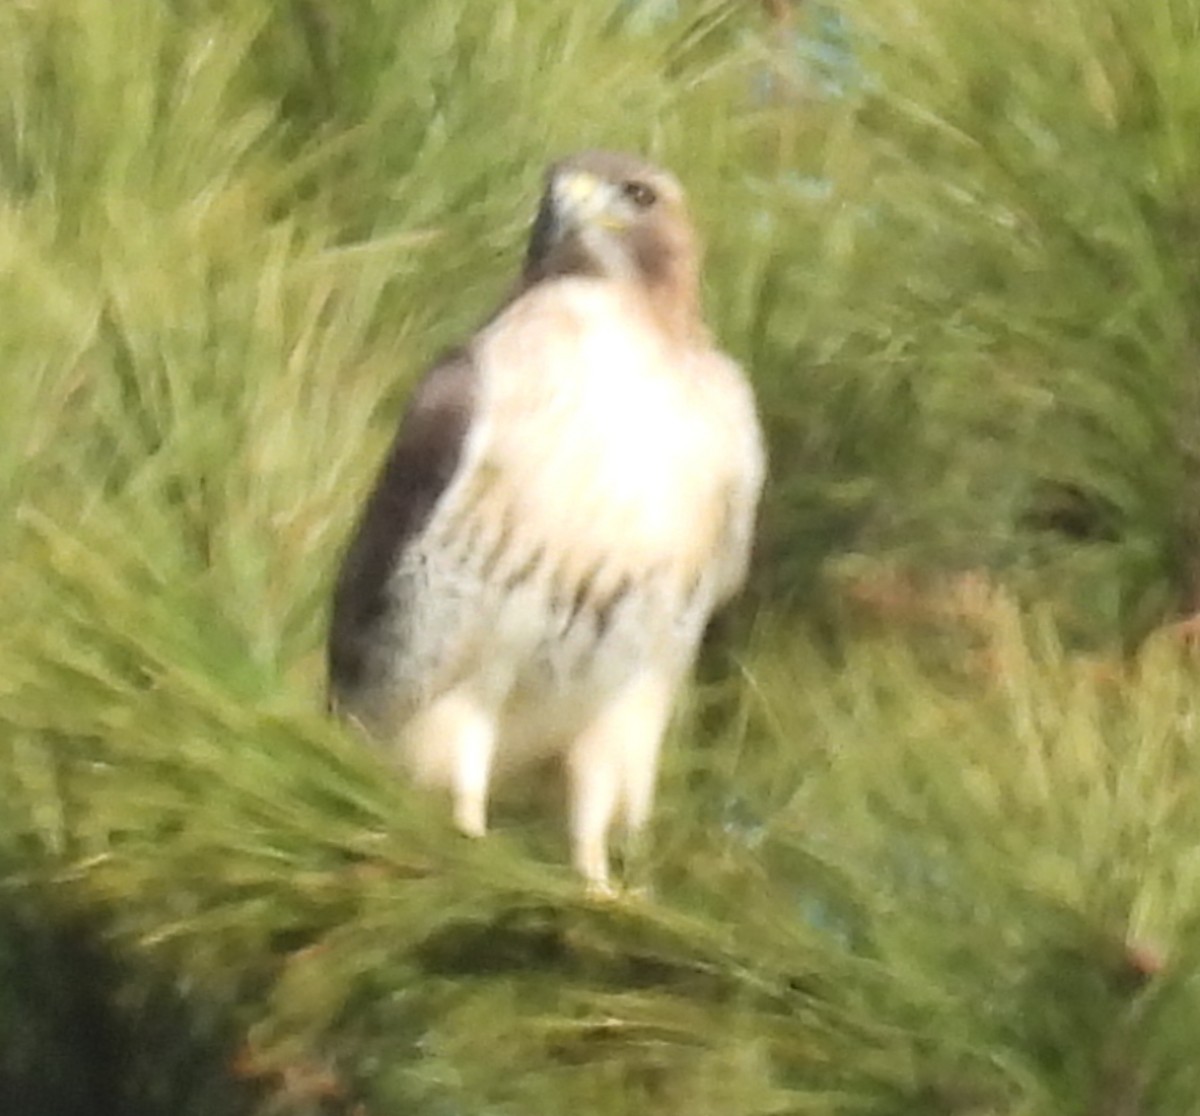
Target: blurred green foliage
927, 833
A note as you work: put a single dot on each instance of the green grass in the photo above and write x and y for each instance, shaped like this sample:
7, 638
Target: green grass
926, 841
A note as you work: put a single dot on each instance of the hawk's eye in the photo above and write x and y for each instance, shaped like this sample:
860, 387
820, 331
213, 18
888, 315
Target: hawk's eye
639, 193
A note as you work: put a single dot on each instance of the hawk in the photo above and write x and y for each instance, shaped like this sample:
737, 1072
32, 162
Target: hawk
570, 495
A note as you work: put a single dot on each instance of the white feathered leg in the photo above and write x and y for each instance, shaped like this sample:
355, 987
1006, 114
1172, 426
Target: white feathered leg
612, 767
452, 743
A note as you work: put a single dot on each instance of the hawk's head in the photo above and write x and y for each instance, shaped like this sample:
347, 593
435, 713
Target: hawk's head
608, 214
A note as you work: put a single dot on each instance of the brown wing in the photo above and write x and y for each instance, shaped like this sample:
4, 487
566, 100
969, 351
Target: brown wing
419, 466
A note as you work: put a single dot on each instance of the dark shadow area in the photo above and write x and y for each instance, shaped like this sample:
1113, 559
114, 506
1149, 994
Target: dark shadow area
86, 1032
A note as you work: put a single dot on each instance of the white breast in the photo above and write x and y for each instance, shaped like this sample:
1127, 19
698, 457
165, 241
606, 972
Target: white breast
602, 436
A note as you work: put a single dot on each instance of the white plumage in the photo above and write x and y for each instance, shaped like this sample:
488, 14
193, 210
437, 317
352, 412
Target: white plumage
594, 505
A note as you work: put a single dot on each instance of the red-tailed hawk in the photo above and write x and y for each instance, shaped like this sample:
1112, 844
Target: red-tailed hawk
569, 497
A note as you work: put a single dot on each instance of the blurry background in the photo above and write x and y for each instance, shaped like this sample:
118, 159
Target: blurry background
929, 836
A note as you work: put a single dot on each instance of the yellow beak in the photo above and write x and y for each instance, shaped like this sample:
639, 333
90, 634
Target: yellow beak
587, 199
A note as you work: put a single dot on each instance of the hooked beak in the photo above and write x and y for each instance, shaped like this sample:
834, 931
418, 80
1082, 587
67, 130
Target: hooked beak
584, 199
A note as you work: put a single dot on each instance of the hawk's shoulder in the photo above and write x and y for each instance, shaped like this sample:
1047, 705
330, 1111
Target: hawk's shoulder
732, 404
421, 463
729, 399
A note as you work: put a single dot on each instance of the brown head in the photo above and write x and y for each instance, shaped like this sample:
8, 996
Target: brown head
615, 216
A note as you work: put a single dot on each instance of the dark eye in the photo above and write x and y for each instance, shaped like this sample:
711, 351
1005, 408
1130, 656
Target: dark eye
640, 194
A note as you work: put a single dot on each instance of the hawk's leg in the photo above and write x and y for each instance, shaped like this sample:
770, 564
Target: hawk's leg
452, 743
612, 767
